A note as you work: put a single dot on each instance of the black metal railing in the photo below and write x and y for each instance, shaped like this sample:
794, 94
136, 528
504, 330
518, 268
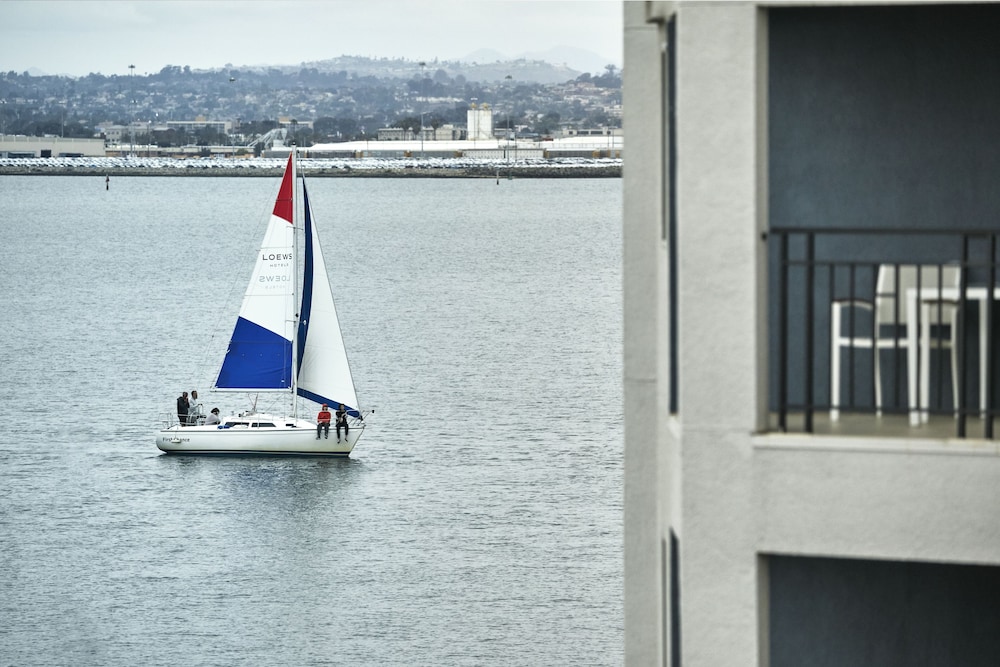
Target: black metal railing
885, 290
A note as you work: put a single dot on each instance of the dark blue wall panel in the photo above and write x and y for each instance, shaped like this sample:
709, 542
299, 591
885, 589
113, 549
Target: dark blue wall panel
885, 116
827, 612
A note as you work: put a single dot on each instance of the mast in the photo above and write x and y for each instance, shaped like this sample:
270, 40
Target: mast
296, 307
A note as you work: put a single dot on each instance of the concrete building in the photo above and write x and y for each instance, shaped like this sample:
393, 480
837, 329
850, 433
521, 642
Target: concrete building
414, 148
200, 123
479, 123
445, 132
789, 150
17, 145
394, 134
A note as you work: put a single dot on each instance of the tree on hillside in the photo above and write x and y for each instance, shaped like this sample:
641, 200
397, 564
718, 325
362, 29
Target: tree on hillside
610, 78
548, 123
411, 123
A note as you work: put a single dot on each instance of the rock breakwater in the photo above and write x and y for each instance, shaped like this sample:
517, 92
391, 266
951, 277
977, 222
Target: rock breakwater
344, 168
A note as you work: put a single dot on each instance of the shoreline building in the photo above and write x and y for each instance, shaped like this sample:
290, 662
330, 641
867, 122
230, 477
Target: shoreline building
19, 145
479, 122
812, 476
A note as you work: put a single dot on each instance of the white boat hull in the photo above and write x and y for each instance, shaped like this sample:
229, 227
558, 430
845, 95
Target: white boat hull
286, 436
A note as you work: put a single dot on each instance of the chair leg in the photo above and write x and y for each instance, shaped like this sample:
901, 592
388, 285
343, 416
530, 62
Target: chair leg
925, 363
983, 343
878, 378
925, 371
835, 365
954, 377
954, 359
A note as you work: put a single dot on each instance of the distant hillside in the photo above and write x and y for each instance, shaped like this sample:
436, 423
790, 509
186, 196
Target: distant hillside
579, 59
338, 99
487, 69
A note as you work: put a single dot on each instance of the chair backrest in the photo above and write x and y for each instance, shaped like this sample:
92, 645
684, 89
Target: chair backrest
888, 294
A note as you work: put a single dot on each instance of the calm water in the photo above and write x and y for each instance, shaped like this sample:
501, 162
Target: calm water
478, 521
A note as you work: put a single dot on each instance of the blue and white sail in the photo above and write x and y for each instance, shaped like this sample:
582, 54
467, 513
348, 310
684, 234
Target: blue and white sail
324, 374
259, 357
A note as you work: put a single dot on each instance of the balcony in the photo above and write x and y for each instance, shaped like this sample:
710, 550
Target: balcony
884, 332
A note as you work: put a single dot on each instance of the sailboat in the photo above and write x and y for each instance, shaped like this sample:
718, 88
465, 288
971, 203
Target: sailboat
278, 348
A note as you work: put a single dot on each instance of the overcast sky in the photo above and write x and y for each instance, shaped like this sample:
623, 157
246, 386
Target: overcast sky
77, 37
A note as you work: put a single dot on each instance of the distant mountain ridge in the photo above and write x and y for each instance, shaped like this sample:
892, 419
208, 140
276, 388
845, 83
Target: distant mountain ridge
580, 60
555, 65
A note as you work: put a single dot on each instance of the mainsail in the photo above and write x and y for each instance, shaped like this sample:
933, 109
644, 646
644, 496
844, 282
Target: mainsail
260, 351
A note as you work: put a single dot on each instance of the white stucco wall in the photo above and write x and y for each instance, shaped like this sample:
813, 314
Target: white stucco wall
645, 511
891, 499
720, 354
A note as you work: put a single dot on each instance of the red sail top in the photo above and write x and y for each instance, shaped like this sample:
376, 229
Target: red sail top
283, 206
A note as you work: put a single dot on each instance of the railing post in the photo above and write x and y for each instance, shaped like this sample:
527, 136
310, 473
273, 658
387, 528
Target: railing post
852, 327
810, 314
783, 336
897, 372
831, 279
987, 363
939, 305
917, 370
960, 335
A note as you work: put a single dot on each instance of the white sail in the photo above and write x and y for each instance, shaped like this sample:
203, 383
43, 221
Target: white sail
324, 373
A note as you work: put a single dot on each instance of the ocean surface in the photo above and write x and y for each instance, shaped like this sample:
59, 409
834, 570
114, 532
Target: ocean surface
478, 520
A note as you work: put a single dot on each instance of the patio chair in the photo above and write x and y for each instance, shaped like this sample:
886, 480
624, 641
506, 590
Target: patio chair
890, 329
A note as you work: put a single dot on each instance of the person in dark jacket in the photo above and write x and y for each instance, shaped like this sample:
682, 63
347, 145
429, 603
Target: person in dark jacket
342, 422
183, 405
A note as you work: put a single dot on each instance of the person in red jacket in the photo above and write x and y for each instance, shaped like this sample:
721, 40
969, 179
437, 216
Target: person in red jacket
323, 421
